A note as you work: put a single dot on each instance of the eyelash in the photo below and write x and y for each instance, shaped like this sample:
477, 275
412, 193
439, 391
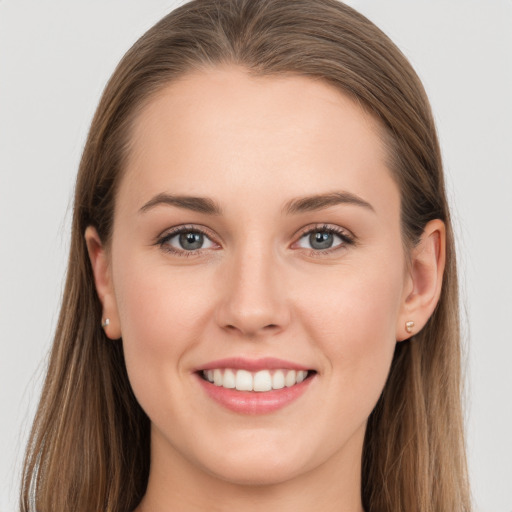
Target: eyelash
346, 237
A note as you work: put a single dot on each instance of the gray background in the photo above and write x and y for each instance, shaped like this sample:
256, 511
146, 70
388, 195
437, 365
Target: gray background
55, 58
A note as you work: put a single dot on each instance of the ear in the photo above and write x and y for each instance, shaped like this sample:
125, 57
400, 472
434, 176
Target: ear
103, 280
424, 280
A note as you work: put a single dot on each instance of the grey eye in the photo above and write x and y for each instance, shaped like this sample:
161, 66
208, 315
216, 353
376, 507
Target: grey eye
320, 240
188, 241
191, 241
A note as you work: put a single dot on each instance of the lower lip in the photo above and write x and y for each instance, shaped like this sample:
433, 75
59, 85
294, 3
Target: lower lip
254, 402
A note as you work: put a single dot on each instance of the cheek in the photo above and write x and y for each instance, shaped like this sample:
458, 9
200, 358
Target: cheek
352, 319
158, 306
160, 317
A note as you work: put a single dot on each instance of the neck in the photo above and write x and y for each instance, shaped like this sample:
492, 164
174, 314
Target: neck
177, 484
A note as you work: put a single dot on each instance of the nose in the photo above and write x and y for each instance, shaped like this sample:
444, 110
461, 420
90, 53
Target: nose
253, 302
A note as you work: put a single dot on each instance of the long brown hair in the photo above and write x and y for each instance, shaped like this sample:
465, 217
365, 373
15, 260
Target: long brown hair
89, 446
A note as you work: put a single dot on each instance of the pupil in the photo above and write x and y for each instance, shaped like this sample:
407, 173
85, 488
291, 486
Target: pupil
191, 241
320, 240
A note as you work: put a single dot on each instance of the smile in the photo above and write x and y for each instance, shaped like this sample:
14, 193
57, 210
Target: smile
262, 386
261, 381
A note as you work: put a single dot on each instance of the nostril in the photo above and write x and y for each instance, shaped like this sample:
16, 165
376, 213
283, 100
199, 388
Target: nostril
231, 327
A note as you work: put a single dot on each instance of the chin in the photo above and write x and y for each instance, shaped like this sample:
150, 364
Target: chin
256, 472
260, 462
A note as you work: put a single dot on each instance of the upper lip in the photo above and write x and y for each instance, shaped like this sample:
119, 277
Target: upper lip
253, 365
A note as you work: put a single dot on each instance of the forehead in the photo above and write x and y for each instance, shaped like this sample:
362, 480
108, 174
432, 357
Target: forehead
222, 128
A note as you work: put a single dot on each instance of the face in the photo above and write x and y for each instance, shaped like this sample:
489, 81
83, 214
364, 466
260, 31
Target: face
257, 243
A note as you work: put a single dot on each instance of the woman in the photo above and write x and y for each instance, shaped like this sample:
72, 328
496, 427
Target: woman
261, 305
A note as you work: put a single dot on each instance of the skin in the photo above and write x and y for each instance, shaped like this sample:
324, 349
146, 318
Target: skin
258, 288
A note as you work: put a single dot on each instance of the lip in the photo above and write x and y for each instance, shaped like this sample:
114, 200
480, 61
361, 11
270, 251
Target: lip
255, 402
252, 365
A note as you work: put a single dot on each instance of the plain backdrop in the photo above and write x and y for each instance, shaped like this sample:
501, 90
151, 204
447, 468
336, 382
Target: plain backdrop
55, 58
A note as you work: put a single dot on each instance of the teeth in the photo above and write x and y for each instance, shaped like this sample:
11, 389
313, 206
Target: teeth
243, 380
301, 375
278, 380
261, 381
229, 380
217, 377
290, 379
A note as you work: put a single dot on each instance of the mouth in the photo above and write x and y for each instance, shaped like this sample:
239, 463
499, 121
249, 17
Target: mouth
260, 382
252, 387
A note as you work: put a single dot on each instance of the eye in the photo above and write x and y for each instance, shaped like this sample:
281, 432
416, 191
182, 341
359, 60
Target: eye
324, 239
186, 241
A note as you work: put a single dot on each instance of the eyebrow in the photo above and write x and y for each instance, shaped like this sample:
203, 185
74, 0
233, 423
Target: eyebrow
196, 204
294, 206
321, 201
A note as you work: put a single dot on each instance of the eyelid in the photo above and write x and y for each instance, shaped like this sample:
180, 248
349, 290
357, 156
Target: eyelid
185, 228
326, 227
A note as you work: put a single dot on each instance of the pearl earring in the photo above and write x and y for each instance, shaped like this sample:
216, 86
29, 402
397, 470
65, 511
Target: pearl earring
105, 323
409, 326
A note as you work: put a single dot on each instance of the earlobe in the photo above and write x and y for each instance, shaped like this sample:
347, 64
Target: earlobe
100, 264
425, 280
